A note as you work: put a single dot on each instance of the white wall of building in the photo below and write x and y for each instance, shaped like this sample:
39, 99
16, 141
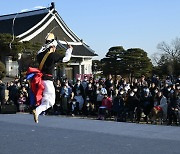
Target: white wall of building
11, 68
87, 66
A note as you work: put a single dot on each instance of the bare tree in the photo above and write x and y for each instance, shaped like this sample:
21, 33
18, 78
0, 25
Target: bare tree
155, 58
172, 51
170, 56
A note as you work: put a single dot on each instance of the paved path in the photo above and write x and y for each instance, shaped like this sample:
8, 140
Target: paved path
62, 135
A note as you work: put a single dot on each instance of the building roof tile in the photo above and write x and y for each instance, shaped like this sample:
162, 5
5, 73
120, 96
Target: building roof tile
29, 23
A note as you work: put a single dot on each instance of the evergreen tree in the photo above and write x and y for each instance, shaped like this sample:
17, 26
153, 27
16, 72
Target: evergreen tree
10, 46
136, 62
132, 62
111, 63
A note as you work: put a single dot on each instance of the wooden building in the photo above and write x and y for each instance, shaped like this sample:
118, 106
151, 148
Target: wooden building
34, 26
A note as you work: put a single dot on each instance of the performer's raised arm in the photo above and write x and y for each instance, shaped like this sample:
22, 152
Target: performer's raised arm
68, 52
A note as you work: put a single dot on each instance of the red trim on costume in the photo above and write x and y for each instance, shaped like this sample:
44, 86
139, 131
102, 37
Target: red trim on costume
48, 75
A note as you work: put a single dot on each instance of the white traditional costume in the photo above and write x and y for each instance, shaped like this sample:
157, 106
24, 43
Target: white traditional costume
48, 98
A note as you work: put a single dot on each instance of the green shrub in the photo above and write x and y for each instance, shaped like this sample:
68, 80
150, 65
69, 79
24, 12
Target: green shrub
2, 70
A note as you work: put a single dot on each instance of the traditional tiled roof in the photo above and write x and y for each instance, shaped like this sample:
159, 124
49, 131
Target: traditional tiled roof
22, 21
34, 26
83, 50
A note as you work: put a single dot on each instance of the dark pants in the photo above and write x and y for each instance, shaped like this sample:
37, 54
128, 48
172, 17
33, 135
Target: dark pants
103, 113
172, 115
65, 105
74, 107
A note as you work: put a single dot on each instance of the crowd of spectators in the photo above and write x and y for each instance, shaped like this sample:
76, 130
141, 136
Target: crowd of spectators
149, 100
17, 94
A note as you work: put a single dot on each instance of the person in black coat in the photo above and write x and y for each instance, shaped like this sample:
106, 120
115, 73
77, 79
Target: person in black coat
118, 107
90, 101
109, 83
79, 94
146, 103
2, 92
172, 106
13, 93
131, 103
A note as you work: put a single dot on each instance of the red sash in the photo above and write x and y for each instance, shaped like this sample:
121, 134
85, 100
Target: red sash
37, 86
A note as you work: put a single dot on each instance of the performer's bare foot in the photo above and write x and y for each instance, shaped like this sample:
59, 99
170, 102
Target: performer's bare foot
35, 116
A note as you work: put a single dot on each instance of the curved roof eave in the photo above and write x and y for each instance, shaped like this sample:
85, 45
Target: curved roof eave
68, 29
60, 22
84, 56
30, 30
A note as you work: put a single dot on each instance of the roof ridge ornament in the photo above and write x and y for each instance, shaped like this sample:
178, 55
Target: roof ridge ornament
52, 6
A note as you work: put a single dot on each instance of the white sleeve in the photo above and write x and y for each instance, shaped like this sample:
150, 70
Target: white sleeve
41, 50
67, 55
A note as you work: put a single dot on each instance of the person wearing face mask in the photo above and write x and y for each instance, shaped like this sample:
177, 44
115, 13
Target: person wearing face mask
152, 89
168, 81
85, 82
136, 90
177, 86
156, 112
79, 94
131, 103
172, 107
155, 97
146, 102
105, 108
166, 90
109, 83
178, 80
65, 97
90, 93
143, 82
111, 92
162, 103
100, 91
118, 106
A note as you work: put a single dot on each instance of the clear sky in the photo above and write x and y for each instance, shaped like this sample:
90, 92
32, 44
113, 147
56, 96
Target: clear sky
106, 23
